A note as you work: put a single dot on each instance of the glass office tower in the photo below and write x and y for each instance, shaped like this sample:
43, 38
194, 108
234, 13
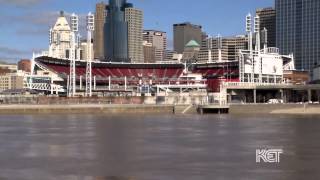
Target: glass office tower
116, 32
298, 31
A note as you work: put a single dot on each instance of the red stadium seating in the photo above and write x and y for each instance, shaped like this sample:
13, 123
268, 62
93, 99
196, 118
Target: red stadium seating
159, 75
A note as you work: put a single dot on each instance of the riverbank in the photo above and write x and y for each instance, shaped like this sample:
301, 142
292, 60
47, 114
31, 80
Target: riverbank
275, 109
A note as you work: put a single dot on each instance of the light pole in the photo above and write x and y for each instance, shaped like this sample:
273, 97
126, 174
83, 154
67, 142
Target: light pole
90, 29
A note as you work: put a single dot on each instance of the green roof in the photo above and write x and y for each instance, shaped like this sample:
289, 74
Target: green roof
192, 43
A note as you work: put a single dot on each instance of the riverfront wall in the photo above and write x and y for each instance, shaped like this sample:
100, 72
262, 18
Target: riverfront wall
84, 109
160, 100
160, 104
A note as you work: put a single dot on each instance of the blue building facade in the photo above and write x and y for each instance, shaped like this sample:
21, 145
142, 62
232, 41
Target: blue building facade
116, 32
298, 31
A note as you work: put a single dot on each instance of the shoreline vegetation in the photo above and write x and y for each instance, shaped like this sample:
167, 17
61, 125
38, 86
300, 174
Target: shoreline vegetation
246, 109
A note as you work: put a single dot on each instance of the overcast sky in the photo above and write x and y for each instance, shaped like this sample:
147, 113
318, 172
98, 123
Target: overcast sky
24, 24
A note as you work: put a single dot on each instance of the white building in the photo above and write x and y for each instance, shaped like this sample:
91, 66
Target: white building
265, 66
60, 38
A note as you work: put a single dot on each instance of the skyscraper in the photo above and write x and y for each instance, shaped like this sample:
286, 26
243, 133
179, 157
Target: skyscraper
268, 21
60, 38
134, 18
158, 39
116, 32
100, 18
184, 33
298, 31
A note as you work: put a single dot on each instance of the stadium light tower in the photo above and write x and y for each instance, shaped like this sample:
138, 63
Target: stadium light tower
90, 29
264, 38
250, 46
219, 38
50, 42
258, 48
249, 31
257, 32
74, 19
209, 46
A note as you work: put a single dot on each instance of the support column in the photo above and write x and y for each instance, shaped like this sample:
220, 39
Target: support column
285, 96
68, 84
109, 83
229, 98
125, 83
80, 82
201, 110
255, 96
282, 95
94, 82
309, 95
51, 86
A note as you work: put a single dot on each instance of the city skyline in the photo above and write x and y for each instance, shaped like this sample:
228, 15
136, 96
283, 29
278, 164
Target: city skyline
30, 20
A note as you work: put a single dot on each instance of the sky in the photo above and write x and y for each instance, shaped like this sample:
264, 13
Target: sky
24, 24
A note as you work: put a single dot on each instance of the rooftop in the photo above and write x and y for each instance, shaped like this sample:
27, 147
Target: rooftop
192, 43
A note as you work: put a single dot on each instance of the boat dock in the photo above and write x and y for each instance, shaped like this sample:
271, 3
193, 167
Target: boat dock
213, 108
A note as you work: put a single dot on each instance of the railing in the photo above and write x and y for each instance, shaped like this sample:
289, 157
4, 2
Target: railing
249, 84
45, 87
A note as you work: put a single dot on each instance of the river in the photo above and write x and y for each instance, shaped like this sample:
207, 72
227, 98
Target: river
157, 147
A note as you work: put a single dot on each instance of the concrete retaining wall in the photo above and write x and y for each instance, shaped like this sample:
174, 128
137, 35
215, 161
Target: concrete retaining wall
83, 109
105, 100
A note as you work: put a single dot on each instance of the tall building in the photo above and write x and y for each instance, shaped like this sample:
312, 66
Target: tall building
184, 33
230, 47
268, 21
134, 18
100, 18
60, 38
158, 39
298, 31
149, 52
116, 32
